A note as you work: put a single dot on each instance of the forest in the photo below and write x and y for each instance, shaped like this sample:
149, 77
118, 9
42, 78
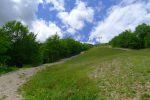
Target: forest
19, 46
138, 39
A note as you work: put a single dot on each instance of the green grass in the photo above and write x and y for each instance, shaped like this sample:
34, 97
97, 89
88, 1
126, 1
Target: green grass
99, 74
4, 69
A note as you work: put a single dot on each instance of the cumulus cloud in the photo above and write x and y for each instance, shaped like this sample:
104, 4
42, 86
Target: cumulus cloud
126, 15
75, 19
22, 10
45, 29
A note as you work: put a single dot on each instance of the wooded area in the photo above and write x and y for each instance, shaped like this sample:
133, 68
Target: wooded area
19, 46
138, 39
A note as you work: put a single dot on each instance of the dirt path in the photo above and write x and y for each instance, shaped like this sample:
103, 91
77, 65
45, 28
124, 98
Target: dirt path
9, 83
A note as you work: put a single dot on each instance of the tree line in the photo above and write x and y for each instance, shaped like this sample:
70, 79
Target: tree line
138, 39
18, 46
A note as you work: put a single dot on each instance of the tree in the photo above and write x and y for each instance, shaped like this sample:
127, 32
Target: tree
147, 41
55, 48
23, 44
65, 50
19, 46
141, 32
75, 47
51, 49
126, 40
4, 46
140, 38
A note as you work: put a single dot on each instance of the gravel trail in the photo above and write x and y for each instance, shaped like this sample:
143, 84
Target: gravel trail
10, 82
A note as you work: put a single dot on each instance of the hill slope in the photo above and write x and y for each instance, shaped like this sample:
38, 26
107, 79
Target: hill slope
100, 73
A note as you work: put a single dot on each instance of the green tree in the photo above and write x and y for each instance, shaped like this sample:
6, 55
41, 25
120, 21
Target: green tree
51, 49
65, 50
55, 48
147, 41
23, 44
141, 32
126, 39
86, 46
4, 46
75, 47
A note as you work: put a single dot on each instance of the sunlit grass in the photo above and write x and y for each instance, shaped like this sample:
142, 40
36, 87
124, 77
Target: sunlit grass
100, 73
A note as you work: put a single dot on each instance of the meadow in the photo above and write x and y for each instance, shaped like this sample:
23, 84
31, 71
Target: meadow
100, 73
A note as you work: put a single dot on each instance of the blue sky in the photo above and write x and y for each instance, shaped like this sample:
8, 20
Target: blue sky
92, 21
99, 7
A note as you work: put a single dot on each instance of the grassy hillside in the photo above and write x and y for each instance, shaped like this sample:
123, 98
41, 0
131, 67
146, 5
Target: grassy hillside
100, 73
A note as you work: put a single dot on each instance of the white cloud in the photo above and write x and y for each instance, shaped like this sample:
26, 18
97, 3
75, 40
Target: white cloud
22, 10
45, 29
75, 19
119, 19
57, 4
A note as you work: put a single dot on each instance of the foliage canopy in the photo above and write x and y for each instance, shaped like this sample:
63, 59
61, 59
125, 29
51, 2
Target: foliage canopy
138, 39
